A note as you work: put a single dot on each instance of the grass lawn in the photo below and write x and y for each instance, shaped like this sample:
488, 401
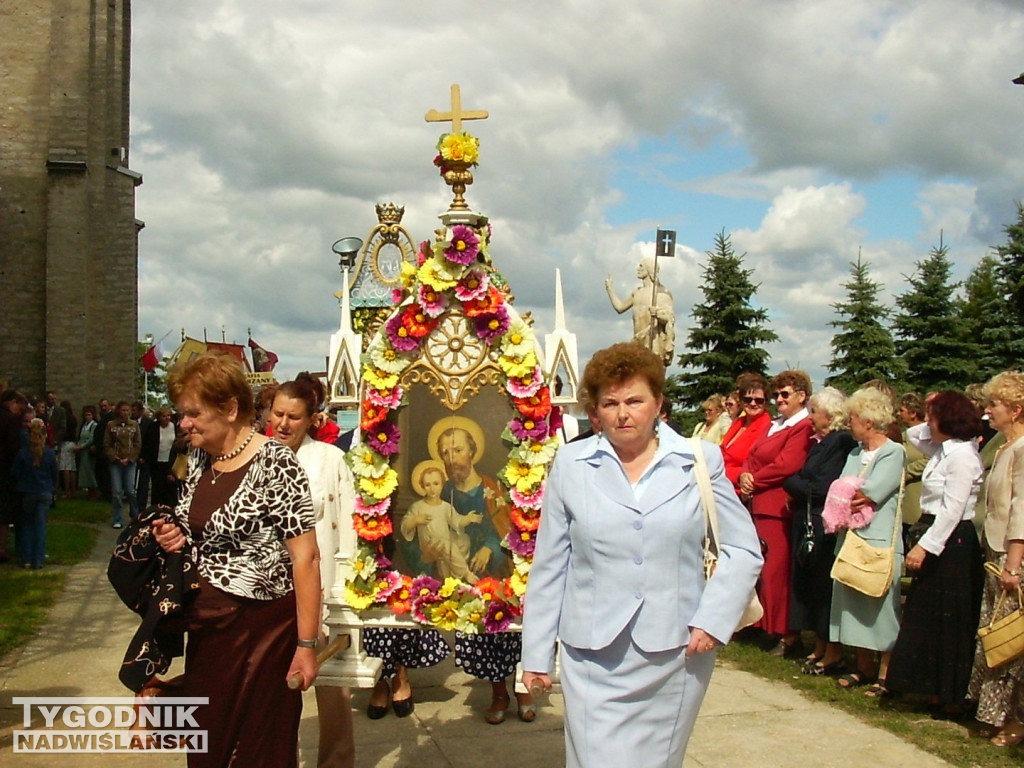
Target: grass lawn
27, 595
958, 743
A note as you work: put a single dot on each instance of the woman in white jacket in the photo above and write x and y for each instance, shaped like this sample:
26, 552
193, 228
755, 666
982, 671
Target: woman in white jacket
330, 481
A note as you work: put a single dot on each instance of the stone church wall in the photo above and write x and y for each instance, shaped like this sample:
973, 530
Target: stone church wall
68, 233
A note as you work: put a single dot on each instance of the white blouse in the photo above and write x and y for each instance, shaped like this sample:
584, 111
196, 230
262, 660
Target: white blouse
949, 490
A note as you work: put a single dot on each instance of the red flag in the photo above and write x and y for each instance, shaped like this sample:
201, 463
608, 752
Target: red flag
149, 361
263, 360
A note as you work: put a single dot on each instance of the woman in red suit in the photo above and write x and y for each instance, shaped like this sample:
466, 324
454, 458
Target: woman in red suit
781, 452
751, 424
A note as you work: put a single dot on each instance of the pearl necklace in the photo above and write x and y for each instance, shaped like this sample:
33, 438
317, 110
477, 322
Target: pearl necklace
239, 450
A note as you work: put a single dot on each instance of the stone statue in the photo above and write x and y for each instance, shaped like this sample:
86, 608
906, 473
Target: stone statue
654, 321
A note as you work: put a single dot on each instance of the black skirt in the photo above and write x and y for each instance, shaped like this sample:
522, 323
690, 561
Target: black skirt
934, 652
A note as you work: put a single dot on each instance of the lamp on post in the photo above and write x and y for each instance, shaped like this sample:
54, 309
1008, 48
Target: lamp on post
347, 248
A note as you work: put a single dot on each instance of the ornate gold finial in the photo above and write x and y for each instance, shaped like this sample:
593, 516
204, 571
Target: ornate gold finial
390, 213
457, 151
456, 115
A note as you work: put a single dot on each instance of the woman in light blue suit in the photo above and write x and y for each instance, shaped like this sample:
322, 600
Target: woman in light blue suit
871, 624
618, 577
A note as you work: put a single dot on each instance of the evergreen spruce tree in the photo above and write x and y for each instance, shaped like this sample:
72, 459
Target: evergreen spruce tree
927, 328
863, 348
1004, 332
982, 300
727, 337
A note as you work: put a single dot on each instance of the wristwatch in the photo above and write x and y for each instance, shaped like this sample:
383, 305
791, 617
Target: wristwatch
307, 643
1012, 573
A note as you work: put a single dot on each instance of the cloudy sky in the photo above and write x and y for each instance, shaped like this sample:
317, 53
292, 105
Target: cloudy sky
805, 129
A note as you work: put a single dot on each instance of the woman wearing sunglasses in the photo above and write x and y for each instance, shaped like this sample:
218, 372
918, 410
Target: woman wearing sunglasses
745, 430
776, 455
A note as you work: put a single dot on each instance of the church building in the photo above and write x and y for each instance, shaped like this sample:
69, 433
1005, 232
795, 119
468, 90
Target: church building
68, 232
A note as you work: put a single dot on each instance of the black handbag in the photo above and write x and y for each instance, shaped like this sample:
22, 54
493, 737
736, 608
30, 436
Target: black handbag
806, 546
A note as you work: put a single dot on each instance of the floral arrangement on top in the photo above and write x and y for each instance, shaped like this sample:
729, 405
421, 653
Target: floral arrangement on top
453, 271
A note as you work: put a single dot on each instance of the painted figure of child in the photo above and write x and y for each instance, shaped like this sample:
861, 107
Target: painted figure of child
441, 529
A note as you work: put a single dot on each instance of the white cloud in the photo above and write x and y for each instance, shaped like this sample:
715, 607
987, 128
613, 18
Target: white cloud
267, 130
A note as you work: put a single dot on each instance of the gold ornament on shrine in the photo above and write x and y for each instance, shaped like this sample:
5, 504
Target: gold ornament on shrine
458, 151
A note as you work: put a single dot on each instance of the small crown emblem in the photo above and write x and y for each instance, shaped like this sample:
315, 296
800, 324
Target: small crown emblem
390, 213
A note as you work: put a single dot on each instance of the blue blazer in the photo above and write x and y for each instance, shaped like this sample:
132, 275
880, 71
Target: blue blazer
606, 559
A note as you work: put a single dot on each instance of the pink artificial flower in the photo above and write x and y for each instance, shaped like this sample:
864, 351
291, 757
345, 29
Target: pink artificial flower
399, 335
473, 285
492, 326
386, 398
372, 510
424, 252
528, 429
384, 438
432, 301
526, 386
463, 246
498, 617
530, 501
387, 582
522, 542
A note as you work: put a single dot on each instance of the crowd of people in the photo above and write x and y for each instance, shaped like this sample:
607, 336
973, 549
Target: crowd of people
122, 453
935, 481
252, 491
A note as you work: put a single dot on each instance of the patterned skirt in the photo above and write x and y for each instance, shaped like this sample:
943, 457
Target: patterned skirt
489, 657
411, 648
1000, 691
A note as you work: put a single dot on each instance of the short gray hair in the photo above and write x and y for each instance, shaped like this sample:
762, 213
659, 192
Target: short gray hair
871, 405
832, 403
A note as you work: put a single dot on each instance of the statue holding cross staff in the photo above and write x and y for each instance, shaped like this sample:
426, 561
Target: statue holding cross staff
654, 320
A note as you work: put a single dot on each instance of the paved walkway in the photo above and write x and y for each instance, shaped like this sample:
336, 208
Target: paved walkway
745, 720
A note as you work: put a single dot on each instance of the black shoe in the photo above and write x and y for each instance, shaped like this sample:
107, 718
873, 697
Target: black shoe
374, 712
782, 650
403, 707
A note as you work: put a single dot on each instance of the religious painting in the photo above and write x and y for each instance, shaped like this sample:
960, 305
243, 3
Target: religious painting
451, 514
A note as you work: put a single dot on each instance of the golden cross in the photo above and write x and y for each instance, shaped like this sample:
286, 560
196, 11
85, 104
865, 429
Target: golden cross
456, 116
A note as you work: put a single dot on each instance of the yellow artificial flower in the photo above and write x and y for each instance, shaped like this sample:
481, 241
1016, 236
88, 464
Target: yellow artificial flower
523, 476
517, 581
435, 276
450, 587
517, 365
408, 274
379, 379
445, 614
360, 601
460, 147
379, 487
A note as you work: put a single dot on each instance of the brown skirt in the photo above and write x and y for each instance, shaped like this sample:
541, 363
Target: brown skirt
238, 654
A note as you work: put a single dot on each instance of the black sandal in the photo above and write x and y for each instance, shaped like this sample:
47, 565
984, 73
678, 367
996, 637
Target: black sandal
854, 680
877, 690
825, 670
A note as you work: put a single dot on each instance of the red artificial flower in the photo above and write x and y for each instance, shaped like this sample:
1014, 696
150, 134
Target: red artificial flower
372, 528
489, 588
525, 519
485, 305
400, 600
372, 416
416, 322
537, 406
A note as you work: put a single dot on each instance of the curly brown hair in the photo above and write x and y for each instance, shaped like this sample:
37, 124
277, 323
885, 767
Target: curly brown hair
795, 378
619, 363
